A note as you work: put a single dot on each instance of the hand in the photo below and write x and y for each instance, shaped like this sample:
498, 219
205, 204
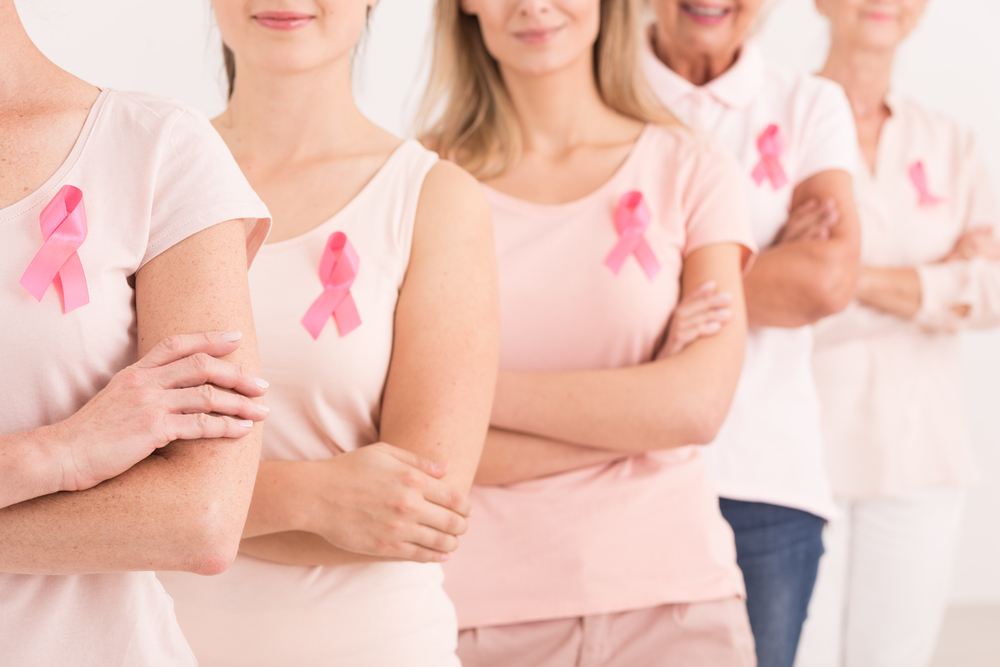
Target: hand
384, 501
976, 242
167, 395
700, 313
810, 221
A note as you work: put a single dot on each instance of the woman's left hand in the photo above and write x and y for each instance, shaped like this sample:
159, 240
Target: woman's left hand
976, 242
701, 313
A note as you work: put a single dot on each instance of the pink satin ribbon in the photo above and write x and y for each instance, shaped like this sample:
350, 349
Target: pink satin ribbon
64, 228
770, 146
631, 221
337, 270
919, 179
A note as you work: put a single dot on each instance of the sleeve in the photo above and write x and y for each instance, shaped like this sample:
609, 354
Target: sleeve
198, 185
965, 294
716, 203
829, 139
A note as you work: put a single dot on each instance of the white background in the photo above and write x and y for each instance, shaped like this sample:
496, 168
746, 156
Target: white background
950, 64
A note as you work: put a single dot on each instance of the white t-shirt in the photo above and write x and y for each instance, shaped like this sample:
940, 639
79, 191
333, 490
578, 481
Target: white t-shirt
152, 173
770, 448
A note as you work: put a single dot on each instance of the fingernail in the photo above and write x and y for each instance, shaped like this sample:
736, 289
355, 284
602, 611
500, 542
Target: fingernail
713, 326
439, 467
262, 383
230, 336
725, 296
443, 558
725, 312
246, 423
709, 285
262, 407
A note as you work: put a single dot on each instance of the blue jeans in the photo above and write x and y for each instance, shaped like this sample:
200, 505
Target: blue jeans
778, 549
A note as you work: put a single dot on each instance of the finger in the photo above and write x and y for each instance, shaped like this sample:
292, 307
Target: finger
703, 305
206, 398
431, 539
179, 346
201, 368
442, 494
425, 465
419, 554
804, 208
443, 520
198, 426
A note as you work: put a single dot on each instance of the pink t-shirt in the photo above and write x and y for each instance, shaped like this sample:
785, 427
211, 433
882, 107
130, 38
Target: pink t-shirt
646, 530
152, 173
325, 399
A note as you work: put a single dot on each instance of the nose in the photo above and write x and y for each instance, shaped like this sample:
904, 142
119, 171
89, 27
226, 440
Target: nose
535, 7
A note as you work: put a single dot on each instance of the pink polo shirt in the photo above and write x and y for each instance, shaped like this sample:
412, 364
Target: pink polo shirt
639, 532
770, 448
152, 173
892, 397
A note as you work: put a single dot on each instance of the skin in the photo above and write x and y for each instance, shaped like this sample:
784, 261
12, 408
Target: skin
547, 423
161, 503
811, 269
294, 129
864, 37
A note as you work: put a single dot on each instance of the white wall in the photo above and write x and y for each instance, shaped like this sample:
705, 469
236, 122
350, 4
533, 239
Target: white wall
952, 64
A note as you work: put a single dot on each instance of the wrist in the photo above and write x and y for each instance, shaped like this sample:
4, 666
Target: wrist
284, 488
30, 466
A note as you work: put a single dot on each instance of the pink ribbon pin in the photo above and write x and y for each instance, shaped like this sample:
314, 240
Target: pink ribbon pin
337, 270
64, 228
770, 146
919, 179
631, 220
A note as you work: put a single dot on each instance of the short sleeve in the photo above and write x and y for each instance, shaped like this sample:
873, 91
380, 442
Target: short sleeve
828, 137
197, 185
716, 203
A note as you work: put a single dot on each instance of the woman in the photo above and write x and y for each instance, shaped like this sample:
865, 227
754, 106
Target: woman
888, 367
596, 533
375, 301
792, 134
123, 222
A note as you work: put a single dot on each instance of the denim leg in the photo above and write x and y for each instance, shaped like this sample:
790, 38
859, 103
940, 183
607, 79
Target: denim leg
778, 549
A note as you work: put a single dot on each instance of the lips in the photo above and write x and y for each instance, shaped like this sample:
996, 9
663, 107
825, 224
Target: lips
283, 20
705, 13
537, 35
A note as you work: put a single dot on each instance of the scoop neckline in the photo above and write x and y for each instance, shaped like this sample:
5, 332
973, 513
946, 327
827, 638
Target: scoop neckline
348, 207
48, 189
562, 208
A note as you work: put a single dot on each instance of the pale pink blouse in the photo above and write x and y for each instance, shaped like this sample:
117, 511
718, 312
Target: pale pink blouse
325, 398
646, 530
890, 387
153, 173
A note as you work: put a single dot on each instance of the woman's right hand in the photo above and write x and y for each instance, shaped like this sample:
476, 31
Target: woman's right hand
811, 220
699, 314
175, 392
976, 242
380, 500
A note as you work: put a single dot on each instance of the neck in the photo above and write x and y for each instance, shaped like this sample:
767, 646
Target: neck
21, 63
698, 68
560, 110
865, 75
287, 117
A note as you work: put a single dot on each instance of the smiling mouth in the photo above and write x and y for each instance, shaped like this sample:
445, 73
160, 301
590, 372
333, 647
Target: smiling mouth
538, 36
706, 12
283, 20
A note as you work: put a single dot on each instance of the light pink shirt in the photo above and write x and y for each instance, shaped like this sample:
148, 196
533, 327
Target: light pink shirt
892, 409
770, 448
325, 398
152, 173
636, 533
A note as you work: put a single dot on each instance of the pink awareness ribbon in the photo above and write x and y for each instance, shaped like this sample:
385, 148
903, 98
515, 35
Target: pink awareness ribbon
631, 220
771, 147
337, 270
919, 179
64, 228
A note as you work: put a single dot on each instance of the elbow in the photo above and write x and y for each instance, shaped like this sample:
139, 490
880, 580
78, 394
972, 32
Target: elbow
834, 291
704, 427
214, 540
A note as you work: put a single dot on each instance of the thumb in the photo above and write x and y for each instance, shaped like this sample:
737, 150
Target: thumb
432, 468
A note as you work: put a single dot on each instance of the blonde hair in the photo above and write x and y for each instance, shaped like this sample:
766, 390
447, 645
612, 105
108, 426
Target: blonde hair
467, 115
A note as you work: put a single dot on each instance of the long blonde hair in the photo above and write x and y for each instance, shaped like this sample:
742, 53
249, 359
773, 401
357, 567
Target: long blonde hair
467, 114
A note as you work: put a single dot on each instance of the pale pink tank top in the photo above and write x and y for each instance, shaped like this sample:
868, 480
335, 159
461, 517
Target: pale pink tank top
325, 398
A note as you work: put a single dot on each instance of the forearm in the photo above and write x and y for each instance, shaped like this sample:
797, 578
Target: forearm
891, 290
301, 548
159, 515
796, 284
279, 503
29, 466
510, 457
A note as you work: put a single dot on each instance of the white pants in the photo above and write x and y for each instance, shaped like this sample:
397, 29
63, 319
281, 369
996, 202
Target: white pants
883, 583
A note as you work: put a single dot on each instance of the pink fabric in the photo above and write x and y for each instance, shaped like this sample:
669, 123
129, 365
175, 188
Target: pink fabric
64, 226
770, 146
325, 398
153, 173
704, 634
643, 531
631, 221
338, 267
893, 415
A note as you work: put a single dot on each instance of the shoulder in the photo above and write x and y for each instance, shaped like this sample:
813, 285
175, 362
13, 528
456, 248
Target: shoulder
451, 191
923, 125
152, 114
688, 154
